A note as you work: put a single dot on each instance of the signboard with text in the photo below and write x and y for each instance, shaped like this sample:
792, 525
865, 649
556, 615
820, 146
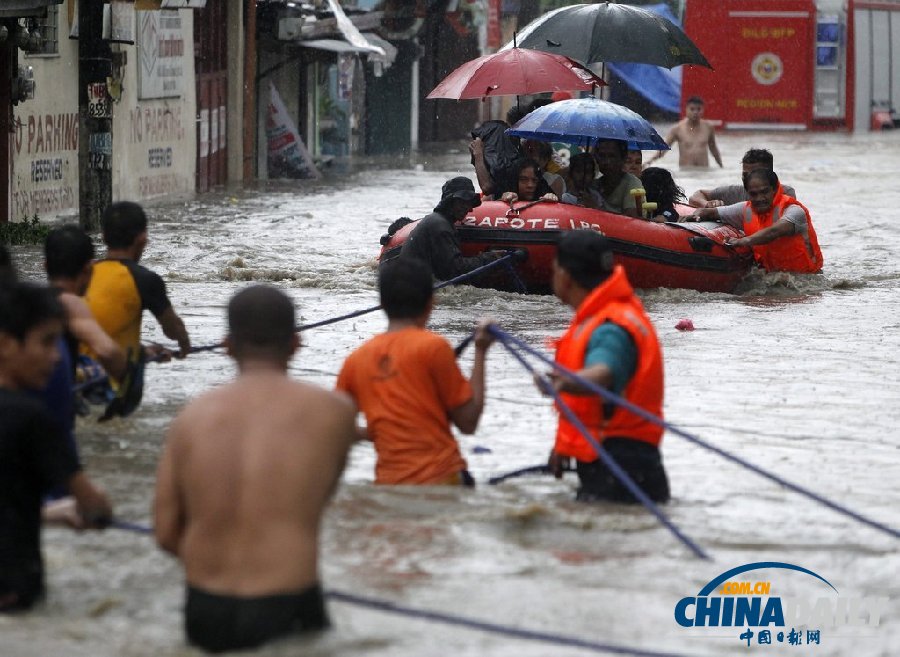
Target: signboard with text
161, 47
771, 78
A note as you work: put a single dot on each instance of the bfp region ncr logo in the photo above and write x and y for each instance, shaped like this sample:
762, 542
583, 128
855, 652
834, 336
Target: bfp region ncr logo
761, 615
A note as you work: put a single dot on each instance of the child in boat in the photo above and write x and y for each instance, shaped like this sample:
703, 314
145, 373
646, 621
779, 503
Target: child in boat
661, 189
542, 153
409, 387
581, 190
531, 185
633, 162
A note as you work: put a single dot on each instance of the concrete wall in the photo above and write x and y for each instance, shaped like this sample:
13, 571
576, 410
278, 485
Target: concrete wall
154, 141
44, 144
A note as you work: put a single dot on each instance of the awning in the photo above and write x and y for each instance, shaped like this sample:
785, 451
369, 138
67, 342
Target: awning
17, 8
390, 50
353, 40
336, 45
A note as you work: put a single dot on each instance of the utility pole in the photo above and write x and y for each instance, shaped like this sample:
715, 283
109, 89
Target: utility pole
95, 116
7, 64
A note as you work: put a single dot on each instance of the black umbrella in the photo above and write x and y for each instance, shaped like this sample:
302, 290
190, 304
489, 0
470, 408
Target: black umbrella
609, 32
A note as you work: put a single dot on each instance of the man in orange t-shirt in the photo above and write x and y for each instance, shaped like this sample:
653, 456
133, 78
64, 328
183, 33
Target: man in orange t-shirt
408, 385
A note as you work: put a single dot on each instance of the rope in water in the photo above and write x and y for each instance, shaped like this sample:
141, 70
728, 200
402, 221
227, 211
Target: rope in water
459, 621
505, 260
610, 463
637, 410
493, 628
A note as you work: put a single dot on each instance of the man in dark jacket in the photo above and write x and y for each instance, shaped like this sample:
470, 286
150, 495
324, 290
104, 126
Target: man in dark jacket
434, 239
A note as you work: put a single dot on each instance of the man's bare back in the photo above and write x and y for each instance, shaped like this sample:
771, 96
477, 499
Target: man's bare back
246, 474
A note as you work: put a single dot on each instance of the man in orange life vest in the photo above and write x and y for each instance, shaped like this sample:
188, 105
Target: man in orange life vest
611, 343
776, 226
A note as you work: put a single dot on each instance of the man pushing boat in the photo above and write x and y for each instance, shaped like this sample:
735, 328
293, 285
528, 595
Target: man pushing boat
434, 239
776, 226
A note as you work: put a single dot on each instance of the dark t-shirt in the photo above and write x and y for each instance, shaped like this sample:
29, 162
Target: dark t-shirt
150, 286
434, 240
33, 459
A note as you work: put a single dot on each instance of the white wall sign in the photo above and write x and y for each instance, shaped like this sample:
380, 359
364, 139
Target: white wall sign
162, 51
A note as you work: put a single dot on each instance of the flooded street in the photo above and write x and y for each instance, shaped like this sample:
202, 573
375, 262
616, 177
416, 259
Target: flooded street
798, 375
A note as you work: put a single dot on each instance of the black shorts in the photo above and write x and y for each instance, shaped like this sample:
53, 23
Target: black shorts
218, 623
641, 461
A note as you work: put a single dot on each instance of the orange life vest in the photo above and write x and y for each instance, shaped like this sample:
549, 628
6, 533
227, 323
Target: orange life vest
613, 300
791, 253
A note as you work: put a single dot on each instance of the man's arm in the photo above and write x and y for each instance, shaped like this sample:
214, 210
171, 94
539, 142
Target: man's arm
703, 214
782, 228
87, 331
168, 511
449, 262
599, 374
713, 147
174, 329
701, 199
671, 138
466, 417
485, 181
93, 506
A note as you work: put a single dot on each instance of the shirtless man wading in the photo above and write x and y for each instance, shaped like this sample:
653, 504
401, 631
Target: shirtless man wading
695, 136
245, 476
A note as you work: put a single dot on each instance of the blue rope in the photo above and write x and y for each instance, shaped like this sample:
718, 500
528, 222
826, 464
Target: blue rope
453, 281
609, 461
365, 311
492, 628
637, 410
543, 468
521, 288
124, 525
87, 384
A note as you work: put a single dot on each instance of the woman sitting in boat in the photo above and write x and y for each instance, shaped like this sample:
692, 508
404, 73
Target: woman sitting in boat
581, 190
615, 185
531, 185
660, 188
542, 153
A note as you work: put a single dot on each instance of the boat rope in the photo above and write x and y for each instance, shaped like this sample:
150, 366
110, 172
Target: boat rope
451, 619
492, 628
543, 468
124, 525
506, 260
462, 278
609, 461
637, 410
521, 288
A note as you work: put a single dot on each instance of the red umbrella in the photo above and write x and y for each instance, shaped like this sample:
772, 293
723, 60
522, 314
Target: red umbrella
515, 72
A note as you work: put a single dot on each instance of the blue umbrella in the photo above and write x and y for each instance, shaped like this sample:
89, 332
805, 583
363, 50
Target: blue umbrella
585, 121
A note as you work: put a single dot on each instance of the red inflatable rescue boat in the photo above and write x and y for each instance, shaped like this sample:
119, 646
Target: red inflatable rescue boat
672, 255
